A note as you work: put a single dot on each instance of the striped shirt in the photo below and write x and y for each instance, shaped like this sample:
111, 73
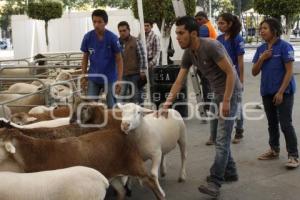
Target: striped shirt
141, 56
153, 49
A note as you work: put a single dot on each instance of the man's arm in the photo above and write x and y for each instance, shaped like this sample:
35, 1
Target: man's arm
176, 87
141, 57
119, 62
257, 66
241, 66
230, 79
84, 62
156, 51
285, 83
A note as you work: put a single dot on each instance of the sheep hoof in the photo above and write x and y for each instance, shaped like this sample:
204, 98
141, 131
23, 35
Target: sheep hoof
128, 191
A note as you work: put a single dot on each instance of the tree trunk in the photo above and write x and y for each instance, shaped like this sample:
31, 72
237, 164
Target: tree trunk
289, 21
46, 32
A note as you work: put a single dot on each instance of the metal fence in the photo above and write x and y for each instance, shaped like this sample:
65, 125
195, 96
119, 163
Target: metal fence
28, 70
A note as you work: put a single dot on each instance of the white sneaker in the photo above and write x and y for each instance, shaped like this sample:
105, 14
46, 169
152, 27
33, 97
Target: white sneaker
292, 163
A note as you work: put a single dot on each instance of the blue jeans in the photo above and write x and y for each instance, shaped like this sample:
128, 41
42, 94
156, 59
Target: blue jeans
94, 90
282, 115
127, 89
240, 119
224, 164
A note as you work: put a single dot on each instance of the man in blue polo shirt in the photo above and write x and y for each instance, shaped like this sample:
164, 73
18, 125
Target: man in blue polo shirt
102, 48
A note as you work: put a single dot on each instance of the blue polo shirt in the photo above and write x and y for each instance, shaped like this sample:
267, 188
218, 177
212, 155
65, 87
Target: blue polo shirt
234, 48
203, 31
273, 69
102, 55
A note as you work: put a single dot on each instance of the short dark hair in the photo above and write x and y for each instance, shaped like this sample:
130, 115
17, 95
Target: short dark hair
274, 24
201, 14
189, 23
124, 23
236, 26
100, 13
148, 21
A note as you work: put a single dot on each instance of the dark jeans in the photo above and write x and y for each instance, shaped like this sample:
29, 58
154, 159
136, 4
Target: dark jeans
281, 114
94, 90
224, 164
127, 89
205, 89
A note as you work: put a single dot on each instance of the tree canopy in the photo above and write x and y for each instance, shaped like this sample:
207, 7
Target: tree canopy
157, 10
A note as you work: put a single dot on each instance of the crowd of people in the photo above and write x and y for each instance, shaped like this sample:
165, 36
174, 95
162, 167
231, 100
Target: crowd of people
219, 60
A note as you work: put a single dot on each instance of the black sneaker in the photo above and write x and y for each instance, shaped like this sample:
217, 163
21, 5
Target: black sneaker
210, 189
232, 178
238, 136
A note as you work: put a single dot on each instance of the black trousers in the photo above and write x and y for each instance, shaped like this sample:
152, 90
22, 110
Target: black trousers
281, 114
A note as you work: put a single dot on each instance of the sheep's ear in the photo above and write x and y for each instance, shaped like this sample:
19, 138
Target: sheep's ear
31, 119
146, 111
10, 147
40, 87
120, 105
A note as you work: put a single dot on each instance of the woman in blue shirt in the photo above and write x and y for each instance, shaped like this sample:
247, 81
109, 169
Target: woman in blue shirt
233, 42
274, 59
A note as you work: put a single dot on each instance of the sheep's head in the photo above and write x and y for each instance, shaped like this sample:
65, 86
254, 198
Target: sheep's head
85, 112
63, 76
22, 118
60, 92
132, 116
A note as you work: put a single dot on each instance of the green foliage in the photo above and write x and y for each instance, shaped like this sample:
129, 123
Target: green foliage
45, 10
245, 5
12, 7
77, 4
225, 6
113, 3
157, 10
276, 8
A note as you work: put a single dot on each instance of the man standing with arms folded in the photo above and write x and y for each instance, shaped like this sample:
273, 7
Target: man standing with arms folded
102, 48
210, 57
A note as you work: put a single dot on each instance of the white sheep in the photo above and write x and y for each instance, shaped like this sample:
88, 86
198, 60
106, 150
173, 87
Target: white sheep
40, 109
43, 124
19, 88
36, 99
75, 183
5, 112
47, 82
154, 136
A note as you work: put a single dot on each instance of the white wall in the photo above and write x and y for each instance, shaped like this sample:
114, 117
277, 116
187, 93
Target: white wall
66, 33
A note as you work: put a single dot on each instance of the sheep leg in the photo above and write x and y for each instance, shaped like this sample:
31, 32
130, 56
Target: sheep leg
151, 183
117, 184
128, 186
163, 167
156, 160
183, 152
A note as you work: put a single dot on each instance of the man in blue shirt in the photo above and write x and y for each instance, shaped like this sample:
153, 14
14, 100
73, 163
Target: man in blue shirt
102, 48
